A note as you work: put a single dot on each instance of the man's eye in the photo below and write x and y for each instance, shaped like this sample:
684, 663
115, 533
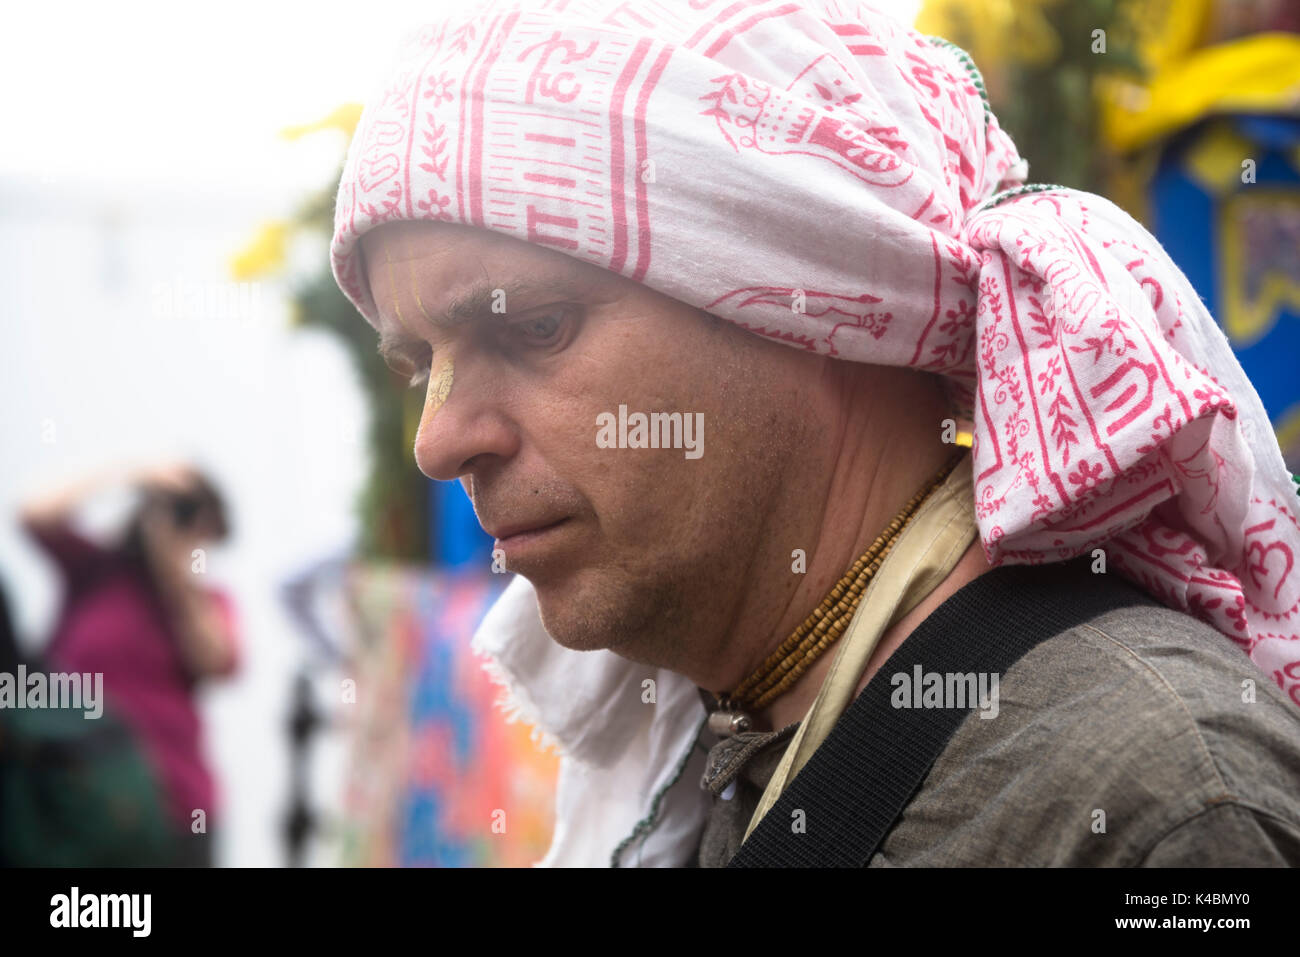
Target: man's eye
542, 330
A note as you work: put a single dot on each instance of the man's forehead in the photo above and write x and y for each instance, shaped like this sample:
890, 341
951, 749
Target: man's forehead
463, 253
405, 240
446, 273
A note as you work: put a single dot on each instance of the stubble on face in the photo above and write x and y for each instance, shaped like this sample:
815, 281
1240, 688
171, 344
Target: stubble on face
668, 600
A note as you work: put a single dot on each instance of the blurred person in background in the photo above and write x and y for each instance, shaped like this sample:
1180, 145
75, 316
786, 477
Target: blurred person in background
136, 613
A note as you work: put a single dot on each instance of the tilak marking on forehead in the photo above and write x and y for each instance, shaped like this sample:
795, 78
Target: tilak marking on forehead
392, 287
415, 289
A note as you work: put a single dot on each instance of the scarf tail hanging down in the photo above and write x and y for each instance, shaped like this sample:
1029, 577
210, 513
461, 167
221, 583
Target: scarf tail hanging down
1108, 410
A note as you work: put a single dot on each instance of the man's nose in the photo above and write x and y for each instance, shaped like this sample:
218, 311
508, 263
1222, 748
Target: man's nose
461, 422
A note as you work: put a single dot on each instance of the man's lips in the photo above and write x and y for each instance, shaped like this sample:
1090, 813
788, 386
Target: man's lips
523, 531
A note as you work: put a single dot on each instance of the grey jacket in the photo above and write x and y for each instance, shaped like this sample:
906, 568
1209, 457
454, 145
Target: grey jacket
1141, 737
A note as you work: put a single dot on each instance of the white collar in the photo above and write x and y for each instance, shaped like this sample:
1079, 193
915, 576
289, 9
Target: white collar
629, 769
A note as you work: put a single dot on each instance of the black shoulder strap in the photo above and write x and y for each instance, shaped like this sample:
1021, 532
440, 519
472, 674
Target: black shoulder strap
875, 758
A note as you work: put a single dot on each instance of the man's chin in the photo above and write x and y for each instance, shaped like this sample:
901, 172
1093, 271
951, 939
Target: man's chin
577, 615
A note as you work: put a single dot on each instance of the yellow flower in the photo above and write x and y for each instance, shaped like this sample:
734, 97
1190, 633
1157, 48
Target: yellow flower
264, 255
343, 118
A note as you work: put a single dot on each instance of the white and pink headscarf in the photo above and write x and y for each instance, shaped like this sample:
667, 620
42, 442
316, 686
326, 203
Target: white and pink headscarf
752, 157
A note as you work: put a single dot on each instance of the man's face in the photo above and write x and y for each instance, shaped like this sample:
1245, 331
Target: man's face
638, 547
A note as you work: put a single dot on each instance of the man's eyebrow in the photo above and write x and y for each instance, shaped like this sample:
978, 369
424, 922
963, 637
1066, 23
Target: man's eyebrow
479, 300
473, 304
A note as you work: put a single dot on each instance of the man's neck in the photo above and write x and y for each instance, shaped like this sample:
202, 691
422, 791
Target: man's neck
863, 498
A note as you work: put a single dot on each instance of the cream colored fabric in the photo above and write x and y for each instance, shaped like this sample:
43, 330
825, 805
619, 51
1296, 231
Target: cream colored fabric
925, 552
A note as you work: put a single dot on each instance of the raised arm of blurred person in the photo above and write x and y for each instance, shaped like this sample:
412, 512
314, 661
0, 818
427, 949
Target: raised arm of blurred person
47, 517
57, 506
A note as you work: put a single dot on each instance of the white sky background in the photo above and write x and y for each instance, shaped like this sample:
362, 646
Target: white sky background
173, 92
180, 93
139, 146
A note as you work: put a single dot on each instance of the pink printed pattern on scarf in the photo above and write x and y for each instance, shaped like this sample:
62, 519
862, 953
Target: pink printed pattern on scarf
741, 156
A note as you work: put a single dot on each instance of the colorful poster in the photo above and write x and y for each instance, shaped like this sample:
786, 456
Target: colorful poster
437, 777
